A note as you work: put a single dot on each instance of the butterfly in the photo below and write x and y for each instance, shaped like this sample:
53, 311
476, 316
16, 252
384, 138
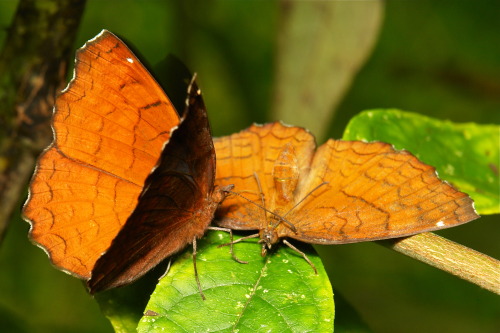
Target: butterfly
341, 192
125, 183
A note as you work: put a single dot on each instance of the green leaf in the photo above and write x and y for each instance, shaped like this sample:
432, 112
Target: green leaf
466, 155
279, 292
321, 47
124, 306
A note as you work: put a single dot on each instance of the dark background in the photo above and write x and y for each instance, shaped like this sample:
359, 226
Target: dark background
440, 59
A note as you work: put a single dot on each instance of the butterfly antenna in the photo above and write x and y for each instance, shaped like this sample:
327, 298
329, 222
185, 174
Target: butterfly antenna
305, 197
281, 218
261, 192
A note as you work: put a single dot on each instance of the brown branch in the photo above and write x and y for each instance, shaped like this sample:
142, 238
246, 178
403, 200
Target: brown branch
33, 67
450, 257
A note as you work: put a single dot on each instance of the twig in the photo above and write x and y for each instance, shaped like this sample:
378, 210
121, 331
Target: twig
450, 257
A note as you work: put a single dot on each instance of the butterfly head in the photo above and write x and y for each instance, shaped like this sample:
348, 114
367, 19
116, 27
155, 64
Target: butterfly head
268, 237
220, 193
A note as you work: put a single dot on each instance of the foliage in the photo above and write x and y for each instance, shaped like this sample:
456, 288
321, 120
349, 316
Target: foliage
467, 155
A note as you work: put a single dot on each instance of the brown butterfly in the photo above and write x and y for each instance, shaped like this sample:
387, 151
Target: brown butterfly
125, 183
176, 206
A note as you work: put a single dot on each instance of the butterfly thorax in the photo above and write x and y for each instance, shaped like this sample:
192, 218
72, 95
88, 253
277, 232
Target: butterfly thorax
285, 177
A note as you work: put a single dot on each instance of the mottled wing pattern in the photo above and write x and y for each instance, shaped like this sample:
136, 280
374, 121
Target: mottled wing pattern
373, 192
110, 125
248, 157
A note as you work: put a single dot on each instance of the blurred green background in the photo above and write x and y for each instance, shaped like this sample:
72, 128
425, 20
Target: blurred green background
441, 59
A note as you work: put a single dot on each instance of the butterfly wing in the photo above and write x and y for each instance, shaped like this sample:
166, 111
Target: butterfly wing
109, 124
373, 192
246, 159
175, 206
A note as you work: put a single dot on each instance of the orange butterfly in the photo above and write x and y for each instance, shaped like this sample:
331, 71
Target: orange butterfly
342, 192
125, 183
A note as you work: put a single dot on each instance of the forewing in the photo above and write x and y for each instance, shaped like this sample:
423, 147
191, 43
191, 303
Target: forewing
246, 159
109, 125
174, 207
374, 192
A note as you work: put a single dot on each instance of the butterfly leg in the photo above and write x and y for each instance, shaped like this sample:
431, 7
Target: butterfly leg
167, 270
239, 240
196, 271
230, 243
302, 253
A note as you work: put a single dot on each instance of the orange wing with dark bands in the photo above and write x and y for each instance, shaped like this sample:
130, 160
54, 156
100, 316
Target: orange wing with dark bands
347, 191
374, 192
246, 159
110, 125
177, 204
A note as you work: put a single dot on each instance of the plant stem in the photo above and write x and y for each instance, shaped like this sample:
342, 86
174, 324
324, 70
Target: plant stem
450, 257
